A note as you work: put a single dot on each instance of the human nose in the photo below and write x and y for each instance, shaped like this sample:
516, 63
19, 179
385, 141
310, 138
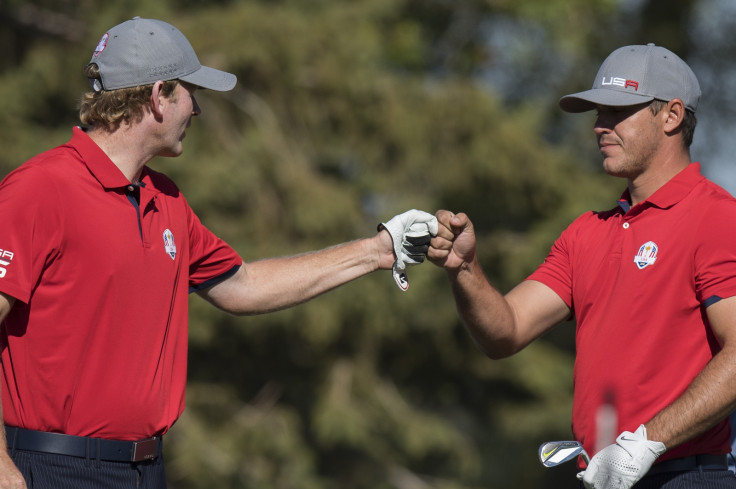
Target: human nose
602, 124
196, 110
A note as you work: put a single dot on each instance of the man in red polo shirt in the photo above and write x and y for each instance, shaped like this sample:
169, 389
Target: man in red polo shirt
97, 257
651, 284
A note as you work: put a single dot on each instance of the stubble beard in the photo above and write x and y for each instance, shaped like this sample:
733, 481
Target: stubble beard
628, 165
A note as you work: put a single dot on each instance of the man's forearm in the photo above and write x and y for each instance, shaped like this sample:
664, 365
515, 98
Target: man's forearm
283, 282
277, 283
504, 324
483, 309
10, 476
6, 303
710, 398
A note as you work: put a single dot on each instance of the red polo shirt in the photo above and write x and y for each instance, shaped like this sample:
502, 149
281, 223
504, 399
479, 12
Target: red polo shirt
638, 283
96, 343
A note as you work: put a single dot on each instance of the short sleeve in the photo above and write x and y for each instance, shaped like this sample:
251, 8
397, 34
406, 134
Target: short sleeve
556, 270
31, 221
715, 252
211, 258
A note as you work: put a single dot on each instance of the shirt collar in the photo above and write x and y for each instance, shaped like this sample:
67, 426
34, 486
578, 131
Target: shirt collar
98, 163
671, 192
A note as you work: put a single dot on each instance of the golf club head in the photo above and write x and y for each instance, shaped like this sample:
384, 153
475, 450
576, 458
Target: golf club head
553, 453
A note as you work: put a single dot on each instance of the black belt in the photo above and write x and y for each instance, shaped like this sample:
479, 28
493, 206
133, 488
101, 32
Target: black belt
84, 447
693, 462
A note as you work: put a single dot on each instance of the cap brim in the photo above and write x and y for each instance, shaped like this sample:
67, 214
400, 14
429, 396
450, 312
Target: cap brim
590, 99
211, 79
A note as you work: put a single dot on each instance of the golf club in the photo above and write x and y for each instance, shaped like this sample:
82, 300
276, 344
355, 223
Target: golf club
553, 453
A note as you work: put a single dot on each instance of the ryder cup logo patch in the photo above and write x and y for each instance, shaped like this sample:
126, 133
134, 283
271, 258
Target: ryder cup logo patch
101, 45
647, 255
169, 244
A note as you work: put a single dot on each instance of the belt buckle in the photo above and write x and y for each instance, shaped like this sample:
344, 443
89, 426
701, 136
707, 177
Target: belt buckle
144, 449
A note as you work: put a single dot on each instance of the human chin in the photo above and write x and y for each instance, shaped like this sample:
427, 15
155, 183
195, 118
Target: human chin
172, 152
614, 167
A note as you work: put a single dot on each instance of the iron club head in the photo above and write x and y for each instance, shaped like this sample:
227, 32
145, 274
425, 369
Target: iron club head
553, 453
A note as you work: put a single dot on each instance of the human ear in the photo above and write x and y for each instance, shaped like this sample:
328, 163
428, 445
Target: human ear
675, 112
157, 100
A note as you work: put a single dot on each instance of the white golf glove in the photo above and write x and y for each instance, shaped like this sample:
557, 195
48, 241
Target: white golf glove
621, 465
410, 232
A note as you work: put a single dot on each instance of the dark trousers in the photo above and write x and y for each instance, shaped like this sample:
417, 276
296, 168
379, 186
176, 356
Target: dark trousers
693, 479
701, 479
48, 471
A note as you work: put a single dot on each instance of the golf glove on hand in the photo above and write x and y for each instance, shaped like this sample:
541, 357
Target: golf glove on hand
410, 232
621, 465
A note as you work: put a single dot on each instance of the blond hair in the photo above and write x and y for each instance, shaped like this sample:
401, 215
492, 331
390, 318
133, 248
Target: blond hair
110, 108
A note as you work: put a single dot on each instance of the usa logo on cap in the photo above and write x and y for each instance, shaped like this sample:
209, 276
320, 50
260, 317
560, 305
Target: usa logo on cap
169, 244
647, 255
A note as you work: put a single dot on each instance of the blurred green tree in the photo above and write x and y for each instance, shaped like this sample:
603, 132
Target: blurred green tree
346, 113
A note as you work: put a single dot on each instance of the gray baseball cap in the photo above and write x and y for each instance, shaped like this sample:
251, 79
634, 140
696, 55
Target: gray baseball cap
634, 75
144, 51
